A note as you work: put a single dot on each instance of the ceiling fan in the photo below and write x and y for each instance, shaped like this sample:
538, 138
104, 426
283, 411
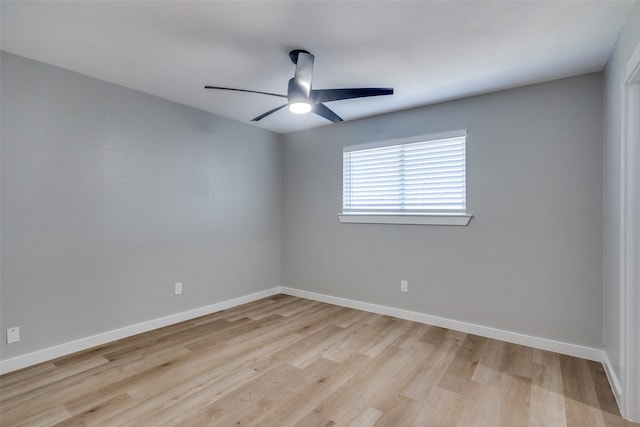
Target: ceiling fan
301, 98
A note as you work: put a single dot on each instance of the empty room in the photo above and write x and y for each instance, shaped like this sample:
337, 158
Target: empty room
320, 213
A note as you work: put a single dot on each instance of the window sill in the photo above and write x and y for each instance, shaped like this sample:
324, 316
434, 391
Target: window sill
410, 219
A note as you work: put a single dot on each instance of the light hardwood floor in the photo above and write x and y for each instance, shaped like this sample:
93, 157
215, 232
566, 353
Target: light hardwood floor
285, 361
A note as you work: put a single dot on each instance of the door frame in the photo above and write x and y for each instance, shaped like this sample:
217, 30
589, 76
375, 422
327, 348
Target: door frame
630, 240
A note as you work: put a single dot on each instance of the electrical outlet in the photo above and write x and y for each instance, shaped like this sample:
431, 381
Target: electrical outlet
178, 288
404, 286
13, 335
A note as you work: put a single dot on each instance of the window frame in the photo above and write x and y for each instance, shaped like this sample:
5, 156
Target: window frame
444, 217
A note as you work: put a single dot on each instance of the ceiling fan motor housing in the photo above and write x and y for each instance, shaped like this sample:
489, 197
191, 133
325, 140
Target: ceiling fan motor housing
293, 55
295, 92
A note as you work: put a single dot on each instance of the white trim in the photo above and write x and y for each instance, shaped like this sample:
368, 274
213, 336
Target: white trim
583, 352
629, 246
64, 349
612, 377
407, 140
633, 65
50, 353
443, 219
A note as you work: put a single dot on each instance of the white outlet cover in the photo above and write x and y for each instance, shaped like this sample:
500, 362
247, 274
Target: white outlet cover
178, 288
13, 335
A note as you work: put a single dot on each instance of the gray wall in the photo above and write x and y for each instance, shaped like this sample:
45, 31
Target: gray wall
531, 259
109, 196
628, 39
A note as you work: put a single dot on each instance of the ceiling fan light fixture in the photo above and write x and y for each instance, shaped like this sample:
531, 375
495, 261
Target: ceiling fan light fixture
302, 99
299, 107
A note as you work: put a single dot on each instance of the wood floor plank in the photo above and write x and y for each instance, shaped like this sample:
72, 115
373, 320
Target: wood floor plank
215, 338
275, 402
350, 394
481, 407
441, 408
95, 397
255, 308
24, 375
49, 417
395, 329
266, 310
411, 339
431, 370
491, 365
314, 419
173, 405
185, 336
331, 335
458, 375
352, 317
302, 403
326, 315
61, 373
519, 360
98, 414
580, 398
514, 398
360, 334
55, 393
232, 406
296, 307
361, 417
398, 369
547, 402
402, 411
435, 334
285, 361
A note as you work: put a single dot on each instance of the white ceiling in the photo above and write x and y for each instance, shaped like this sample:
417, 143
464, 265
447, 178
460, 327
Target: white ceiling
429, 51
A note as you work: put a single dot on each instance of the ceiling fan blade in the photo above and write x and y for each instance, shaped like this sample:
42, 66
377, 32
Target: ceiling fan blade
324, 111
245, 90
304, 72
262, 116
326, 95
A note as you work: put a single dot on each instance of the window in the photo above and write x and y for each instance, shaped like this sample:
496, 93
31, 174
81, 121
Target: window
420, 180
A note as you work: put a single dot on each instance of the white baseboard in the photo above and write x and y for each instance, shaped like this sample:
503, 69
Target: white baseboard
612, 376
50, 353
583, 352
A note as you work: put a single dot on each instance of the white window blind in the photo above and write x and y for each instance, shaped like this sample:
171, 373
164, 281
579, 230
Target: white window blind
424, 176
